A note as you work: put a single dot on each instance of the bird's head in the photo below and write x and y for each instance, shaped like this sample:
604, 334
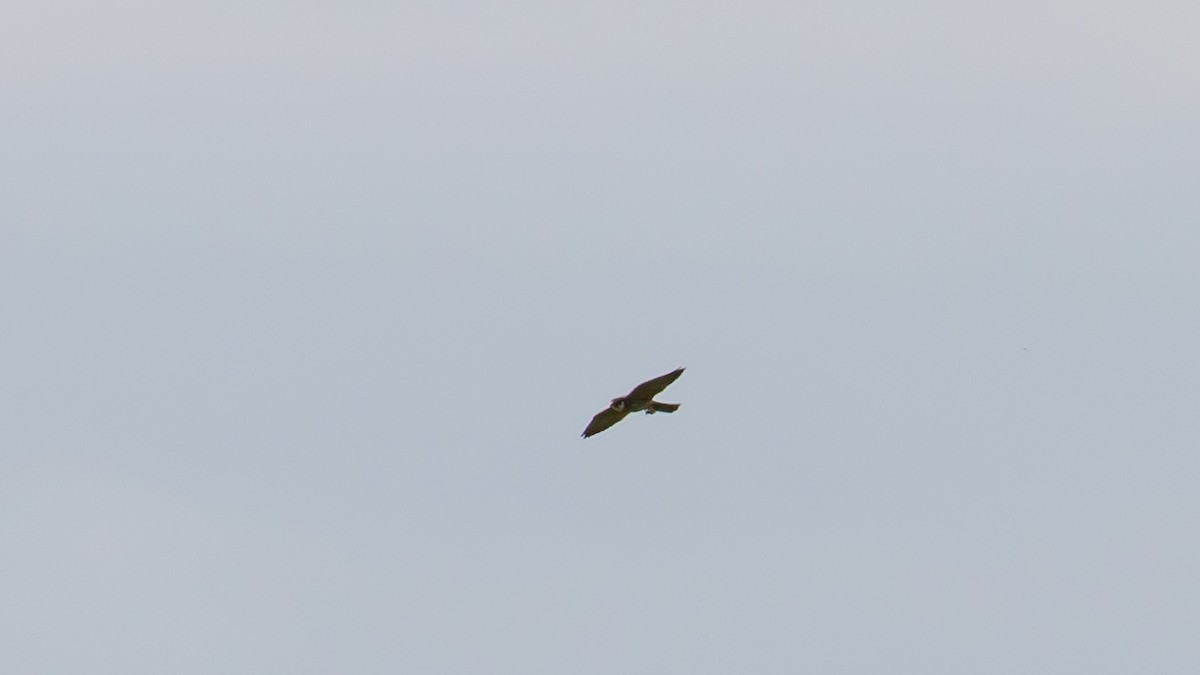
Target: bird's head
618, 404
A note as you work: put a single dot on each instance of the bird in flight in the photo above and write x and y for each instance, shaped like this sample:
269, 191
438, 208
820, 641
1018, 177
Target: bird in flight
641, 398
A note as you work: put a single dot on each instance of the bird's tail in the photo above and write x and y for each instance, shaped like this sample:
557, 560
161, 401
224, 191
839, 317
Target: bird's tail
655, 406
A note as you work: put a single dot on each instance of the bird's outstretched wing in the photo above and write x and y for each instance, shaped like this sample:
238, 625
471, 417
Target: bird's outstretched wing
603, 420
648, 389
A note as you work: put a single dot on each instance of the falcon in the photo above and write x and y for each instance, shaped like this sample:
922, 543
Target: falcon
640, 399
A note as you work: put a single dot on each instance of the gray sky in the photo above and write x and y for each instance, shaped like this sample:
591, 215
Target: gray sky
305, 308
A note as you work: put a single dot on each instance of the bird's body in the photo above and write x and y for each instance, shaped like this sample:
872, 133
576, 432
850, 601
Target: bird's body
641, 399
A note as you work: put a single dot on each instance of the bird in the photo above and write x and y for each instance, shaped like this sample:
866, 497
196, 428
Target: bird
640, 399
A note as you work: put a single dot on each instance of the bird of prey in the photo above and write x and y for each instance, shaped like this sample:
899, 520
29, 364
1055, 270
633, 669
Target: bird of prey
641, 398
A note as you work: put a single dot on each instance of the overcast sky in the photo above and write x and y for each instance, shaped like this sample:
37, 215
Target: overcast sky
305, 306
